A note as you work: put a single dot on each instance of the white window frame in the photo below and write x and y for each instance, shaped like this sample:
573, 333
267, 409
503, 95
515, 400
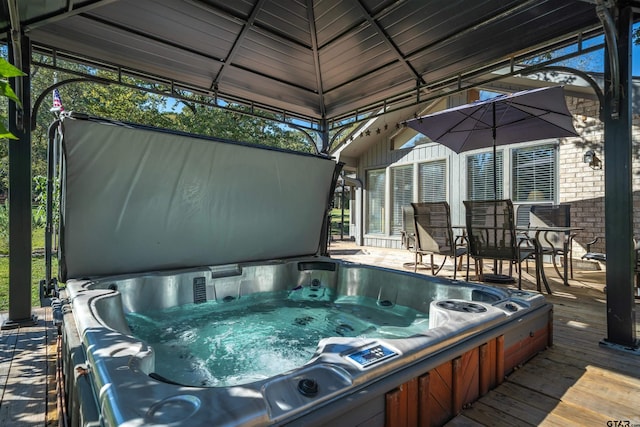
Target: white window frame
383, 208
390, 214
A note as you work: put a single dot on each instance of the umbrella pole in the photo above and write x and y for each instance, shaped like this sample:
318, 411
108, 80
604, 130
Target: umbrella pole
495, 168
495, 182
497, 276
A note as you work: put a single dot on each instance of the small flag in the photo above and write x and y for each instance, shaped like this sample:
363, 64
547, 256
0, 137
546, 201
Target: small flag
57, 101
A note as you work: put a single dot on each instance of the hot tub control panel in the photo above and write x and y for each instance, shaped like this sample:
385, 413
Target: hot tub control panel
371, 355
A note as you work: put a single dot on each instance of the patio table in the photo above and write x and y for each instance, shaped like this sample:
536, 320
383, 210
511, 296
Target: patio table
539, 232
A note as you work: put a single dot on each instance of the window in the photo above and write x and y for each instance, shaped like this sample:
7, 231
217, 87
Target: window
480, 183
534, 174
401, 194
375, 201
432, 181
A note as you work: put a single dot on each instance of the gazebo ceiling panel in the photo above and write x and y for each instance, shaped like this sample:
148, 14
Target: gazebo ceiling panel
146, 55
316, 58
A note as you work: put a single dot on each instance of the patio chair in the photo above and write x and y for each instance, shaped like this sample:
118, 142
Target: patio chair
602, 257
523, 212
523, 220
408, 235
408, 232
555, 244
595, 256
491, 234
434, 235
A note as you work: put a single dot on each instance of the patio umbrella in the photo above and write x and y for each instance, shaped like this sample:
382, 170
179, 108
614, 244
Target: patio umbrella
522, 116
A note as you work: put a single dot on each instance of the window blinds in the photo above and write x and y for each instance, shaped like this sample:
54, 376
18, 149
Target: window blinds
375, 201
534, 174
401, 195
432, 181
480, 176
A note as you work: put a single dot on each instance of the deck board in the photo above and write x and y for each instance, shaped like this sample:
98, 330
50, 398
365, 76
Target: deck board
25, 372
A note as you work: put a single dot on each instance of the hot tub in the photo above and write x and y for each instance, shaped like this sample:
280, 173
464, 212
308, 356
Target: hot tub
345, 382
157, 226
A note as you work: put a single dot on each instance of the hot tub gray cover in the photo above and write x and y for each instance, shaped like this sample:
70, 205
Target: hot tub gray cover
136, 200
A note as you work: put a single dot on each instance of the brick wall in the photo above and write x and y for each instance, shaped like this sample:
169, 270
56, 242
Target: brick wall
582, 186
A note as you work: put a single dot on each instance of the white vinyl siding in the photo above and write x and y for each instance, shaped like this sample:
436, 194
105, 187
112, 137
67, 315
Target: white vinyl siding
375, 201
432, 181
480, 176
401, 195
534, 174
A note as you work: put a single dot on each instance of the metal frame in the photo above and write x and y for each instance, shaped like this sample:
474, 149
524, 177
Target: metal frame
621, 315
333, 127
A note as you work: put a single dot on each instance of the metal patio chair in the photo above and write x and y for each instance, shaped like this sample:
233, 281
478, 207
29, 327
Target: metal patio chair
408, 235
552, 243
408, 232
434, 235
596, 256
602, 257
523, 220
491, 234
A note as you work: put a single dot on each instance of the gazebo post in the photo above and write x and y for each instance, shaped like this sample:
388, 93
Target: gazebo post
20, 189
618, 180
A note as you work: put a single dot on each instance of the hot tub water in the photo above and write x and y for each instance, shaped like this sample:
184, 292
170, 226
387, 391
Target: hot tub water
238, 341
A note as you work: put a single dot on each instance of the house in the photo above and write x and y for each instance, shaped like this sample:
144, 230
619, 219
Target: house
391, 166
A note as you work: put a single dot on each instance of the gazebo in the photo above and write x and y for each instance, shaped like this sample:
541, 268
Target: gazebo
327, 65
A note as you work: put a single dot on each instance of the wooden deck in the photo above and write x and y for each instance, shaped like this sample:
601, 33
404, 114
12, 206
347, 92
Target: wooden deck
576, 382
28, 372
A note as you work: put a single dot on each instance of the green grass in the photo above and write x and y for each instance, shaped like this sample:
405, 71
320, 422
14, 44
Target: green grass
37, 271
336, 217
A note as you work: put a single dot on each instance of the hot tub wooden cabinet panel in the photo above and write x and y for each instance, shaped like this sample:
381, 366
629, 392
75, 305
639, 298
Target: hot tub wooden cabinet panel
444, 391
533, 337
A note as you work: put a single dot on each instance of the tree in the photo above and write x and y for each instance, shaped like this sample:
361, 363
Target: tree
124, 103
205, 120
198, 116
7, 71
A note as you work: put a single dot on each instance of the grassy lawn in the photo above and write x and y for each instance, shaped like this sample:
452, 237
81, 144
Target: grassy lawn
37, 271
336, 217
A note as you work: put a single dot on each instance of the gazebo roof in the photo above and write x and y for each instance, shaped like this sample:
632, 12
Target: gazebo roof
317, 59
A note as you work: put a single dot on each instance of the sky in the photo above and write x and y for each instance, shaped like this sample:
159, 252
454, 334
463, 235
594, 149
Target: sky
595, 61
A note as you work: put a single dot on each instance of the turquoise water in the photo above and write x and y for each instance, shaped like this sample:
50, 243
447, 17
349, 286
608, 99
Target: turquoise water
261, 335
